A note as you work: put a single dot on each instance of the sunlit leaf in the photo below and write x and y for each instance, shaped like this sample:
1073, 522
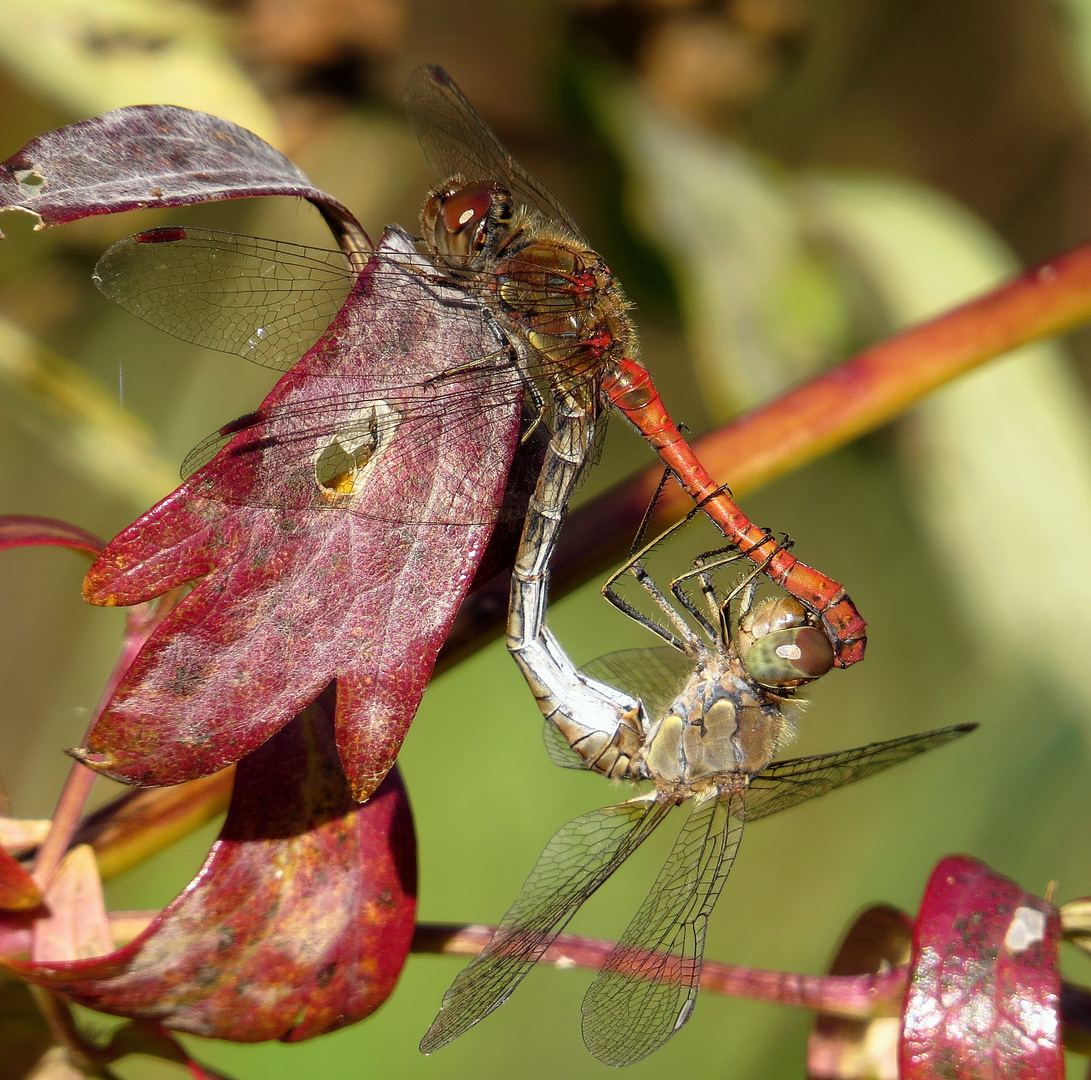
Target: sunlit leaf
985, 986
90, 58
290, 595
1001, 451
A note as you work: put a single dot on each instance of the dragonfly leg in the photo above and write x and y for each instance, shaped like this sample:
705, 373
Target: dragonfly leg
682, 637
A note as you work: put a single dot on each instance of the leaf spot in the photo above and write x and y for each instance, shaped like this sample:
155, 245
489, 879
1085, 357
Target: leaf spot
1027, 927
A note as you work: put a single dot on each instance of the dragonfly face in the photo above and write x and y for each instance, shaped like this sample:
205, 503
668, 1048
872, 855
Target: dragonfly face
462, 220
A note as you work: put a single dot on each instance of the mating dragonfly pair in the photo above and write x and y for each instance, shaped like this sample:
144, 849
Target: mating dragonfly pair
563, 349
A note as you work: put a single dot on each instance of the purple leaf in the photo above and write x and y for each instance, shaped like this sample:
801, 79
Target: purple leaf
306, 894
290, 596
985, 987
152, 156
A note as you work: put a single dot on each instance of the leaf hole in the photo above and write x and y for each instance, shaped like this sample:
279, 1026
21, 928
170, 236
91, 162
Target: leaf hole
29, 178
341, 464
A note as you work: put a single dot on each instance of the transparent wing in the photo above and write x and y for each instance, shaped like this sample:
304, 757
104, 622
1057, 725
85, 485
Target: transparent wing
265, 300
557, 747
655, 675
457, 142
579, 858
351, 417
786, 783
646, 989
315, 448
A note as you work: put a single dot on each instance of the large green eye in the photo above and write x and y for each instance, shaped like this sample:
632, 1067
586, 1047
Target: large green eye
789, 657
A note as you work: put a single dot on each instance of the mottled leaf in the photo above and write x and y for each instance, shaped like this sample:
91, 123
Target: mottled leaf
842, 1048
152, 156
985, 986
306, 894
296, 587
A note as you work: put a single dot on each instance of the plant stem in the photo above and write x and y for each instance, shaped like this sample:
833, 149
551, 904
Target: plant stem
852, 996
143, 619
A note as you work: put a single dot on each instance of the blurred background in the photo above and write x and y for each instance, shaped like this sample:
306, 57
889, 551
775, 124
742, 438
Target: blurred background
777, 183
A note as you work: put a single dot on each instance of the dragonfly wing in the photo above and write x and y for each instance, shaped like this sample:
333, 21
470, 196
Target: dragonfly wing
558, 748
657, 676
646, 989
457, 142
786, 783
579, 858
265, 300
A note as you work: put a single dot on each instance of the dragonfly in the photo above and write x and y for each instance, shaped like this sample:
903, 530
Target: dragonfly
562, 347
716, 703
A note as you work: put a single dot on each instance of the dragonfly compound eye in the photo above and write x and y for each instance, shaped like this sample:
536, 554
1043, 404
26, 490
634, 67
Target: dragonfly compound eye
789, 657
466, 208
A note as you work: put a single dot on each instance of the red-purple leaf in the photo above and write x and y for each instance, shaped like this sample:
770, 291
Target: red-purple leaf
289, 595
843, 1048
984, 994
19, 530
150, 156
304, 909
18, 890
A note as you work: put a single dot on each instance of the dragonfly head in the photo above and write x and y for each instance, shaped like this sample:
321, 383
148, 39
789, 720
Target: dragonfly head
464, 219
779, 645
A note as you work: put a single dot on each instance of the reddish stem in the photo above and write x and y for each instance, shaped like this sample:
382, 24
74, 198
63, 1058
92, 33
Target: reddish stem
143, 619
853, 996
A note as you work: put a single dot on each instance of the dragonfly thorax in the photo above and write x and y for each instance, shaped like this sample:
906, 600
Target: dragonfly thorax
719, 728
